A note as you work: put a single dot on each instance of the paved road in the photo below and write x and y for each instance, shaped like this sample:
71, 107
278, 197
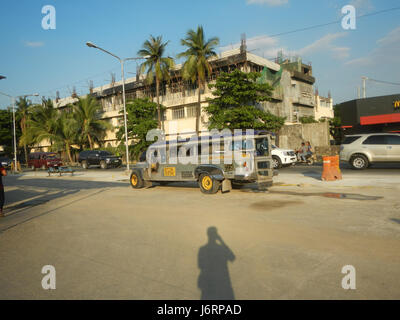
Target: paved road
108, 241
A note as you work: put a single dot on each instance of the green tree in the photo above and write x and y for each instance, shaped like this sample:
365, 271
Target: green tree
91, 128
67, 133
235, 103
141, 118
41, 125
22, 116
156, 65
197, 66
335, 125
6, 131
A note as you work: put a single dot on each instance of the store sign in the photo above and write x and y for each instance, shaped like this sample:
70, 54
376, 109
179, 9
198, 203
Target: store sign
396, 104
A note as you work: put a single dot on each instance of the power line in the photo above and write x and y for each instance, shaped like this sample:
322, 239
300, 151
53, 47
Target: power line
386, 82
320, 25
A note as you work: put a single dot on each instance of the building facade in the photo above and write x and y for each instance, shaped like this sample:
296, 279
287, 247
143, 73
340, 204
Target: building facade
293, 96
375, 114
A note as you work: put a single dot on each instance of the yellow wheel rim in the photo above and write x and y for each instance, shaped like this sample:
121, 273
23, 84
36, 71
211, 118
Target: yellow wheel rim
206, 183
134, 180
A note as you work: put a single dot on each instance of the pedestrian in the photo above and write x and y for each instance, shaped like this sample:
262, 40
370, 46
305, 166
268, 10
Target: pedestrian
3, 172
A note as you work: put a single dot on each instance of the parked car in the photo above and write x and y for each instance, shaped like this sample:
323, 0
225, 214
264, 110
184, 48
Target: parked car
43, 160
5, 162
104, 159
282, 157
361, 150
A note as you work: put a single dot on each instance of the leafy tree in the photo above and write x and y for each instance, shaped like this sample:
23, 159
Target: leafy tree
335, 125
234, 107
141, 118
67, 133
91, 127
196, 66
156, 65
6, 131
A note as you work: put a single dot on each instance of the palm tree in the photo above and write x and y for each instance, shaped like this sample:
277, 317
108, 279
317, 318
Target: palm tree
196, 66
42, 124
156, 64
23, 112
91, 127
67, 133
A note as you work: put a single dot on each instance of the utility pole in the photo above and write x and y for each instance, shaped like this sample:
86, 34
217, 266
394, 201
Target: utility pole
363, 86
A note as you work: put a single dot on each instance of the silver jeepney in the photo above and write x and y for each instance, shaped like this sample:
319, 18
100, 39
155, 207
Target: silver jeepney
240, 160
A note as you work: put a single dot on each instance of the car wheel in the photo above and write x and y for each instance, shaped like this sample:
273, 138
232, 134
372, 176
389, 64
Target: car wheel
208, 185
136, 180
103, 165
276, 162
359, 162
84, 165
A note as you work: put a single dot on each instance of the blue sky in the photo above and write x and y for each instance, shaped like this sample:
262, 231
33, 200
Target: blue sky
44, 61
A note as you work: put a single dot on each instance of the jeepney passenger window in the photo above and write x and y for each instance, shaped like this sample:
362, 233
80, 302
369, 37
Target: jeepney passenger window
262, 147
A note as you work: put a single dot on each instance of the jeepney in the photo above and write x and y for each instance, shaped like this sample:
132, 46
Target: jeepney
215, 163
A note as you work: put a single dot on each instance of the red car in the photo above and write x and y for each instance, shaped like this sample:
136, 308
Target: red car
43, 160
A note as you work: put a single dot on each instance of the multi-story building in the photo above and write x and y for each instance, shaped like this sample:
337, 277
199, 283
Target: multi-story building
293, 96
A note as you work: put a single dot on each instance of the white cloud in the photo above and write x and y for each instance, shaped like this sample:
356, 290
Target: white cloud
362, 6
268, 47
33, 44
387, 51
272, 3
326, 44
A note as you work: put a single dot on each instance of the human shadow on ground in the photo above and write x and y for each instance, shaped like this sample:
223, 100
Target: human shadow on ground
214, 280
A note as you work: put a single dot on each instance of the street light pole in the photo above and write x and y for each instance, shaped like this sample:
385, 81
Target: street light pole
122, 62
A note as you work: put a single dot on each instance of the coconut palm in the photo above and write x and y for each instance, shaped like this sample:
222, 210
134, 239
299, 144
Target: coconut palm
156, 65
22, 115
41, 125
91, 127
197, 66
67, 133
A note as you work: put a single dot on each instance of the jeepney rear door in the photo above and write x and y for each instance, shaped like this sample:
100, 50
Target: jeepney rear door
262, 159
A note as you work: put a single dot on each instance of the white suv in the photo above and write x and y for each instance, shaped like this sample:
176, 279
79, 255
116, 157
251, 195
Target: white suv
282, 157
360, 150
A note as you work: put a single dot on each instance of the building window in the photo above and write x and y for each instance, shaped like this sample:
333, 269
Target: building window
191, 111
178, 113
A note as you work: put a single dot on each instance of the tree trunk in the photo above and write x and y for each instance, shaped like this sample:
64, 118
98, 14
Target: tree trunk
90, 141
23, 131
68, 152
198, 111
158, 102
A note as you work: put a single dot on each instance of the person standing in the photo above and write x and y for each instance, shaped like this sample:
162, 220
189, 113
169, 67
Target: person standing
3, 172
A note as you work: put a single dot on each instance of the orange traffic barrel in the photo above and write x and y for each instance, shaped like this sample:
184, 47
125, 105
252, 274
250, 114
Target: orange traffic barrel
331, 169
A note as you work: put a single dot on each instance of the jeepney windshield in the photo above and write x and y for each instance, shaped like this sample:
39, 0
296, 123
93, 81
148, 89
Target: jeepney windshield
242, 145
262, 147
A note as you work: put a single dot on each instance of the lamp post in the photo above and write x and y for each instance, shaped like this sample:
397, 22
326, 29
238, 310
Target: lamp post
14, 130
122, 61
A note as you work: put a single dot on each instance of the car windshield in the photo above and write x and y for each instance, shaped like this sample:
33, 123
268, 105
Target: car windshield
51, 156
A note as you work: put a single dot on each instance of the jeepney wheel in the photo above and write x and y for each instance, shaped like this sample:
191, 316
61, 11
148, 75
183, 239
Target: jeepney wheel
136, 180
208, 185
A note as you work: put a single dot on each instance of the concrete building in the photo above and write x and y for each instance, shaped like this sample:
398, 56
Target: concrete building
293, 96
